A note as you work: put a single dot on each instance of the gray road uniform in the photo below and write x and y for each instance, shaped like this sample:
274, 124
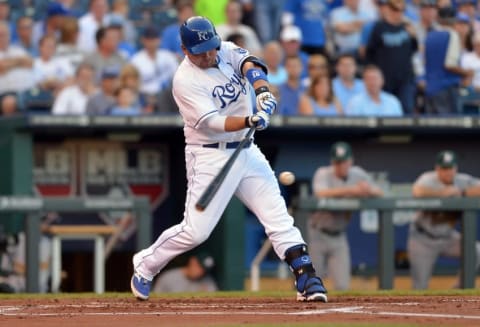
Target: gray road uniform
174, 281
326, 229
433, 233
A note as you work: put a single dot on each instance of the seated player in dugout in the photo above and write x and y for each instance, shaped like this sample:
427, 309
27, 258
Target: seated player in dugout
326, 229
432, 233
194, 276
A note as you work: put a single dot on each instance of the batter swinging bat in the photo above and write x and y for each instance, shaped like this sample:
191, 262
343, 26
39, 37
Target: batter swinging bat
214, 185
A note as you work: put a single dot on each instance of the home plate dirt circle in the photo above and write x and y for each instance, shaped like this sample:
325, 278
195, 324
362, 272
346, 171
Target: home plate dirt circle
224, 311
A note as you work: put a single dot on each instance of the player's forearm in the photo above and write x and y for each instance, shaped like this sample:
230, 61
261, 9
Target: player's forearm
259, 82
337, 192
234, 123
425, 192
376, 192
472, 191
346, 28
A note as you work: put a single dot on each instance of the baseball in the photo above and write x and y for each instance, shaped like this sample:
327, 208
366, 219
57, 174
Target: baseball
286, 178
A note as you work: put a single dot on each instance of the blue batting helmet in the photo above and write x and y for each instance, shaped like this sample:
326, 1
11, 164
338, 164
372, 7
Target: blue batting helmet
199, 35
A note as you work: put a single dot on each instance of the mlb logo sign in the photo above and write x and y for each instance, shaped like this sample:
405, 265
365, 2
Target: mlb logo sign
54, 169
102, 169
116, 169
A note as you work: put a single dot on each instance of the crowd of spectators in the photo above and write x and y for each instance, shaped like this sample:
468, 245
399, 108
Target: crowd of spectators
325, 58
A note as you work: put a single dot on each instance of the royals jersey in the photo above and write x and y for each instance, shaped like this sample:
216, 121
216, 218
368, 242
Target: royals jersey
222, 90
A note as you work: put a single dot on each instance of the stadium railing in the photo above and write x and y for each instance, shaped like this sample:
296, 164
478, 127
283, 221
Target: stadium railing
35, 207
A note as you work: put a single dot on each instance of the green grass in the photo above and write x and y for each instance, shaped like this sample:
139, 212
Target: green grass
233, 294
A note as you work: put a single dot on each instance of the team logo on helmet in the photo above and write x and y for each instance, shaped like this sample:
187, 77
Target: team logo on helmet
202, 35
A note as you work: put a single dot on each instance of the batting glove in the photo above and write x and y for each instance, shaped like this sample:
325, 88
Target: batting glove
266, 102
260, 120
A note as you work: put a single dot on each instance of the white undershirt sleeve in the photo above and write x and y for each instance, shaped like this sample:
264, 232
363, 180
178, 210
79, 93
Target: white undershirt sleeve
216, 122
452, 59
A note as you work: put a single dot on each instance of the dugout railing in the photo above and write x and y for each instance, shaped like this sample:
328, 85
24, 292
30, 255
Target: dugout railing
386, 207
34, 208
386, 241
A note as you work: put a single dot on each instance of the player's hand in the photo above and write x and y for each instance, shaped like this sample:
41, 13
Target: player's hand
451, 190
266, 102
260, 120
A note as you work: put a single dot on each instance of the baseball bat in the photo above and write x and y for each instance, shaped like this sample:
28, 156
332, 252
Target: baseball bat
214, 185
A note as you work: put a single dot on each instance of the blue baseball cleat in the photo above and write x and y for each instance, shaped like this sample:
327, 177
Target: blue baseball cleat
314, 291
140, 287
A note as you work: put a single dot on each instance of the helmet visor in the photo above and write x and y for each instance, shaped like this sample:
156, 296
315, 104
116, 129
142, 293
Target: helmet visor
205, 46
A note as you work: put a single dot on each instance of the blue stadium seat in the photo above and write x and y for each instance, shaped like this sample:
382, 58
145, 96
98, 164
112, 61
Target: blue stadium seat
36, 100
164, 18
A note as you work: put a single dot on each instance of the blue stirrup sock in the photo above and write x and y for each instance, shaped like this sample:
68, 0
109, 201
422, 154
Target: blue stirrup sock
300, 263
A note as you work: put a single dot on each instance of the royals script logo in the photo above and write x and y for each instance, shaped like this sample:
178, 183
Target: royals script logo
230, 92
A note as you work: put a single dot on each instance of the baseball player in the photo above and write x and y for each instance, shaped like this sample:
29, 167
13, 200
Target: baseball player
212, 88
432, 234
328, 242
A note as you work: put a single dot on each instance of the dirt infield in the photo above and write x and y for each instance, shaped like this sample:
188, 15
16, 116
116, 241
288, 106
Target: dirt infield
443, 310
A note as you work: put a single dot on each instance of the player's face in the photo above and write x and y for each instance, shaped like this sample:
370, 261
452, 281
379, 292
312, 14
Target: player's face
341, 168
446, 175
203, 60
194, 269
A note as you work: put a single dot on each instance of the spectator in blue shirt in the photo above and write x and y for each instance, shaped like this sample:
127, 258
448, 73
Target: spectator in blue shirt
443, 73
127, 104
373, 101
368, 27
391, 47
24, 35
291, 90
291, 40
347, 22
171, 34
310, 16
345, 84
268, 16
319, 99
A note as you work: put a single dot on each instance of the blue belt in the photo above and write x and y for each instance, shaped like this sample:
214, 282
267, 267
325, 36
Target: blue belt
228, 145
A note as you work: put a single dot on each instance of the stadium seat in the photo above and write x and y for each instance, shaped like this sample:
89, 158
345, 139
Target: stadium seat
36, 100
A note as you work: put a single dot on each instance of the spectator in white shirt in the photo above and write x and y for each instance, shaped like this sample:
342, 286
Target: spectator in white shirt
67, 46
471, 61
51, 73
72, 100
156, 66
233, 14
89, 24
15, 65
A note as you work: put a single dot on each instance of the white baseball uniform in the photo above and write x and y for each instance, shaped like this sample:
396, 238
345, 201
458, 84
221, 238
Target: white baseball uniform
202, 94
